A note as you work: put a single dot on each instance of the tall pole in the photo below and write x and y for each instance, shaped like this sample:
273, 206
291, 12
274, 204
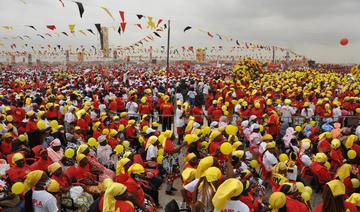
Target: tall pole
167, 58
273, 55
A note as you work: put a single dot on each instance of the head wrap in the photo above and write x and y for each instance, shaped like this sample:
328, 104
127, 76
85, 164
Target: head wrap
277, 200
150, 141
136, 168
32, 178
55, 142
53, 187
53, 167
229, 188
188, 174
343, 172
190, 156
82, 148
204, 164
113, 190
337, 187
354, 199
16, 157
120, 165
79, 157
212, 174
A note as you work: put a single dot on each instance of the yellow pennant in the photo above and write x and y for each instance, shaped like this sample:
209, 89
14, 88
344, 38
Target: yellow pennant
72, 28
82, 32
108, 12
150, 23
8, 27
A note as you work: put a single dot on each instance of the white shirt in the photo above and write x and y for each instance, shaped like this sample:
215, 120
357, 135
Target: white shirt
336, 113
132, 108
191, 94
307, 112
69, 117
269, 160
151, 152
179, 120
292, 175
102, 108
43, 201
235, 206
206, 89
286, 113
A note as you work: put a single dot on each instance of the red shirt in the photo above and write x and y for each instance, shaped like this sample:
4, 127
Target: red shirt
82, 124
113, 142
16, 173
113, 106
6, 148
41, 164
322, 173
63, 180
197, 112
31, 126
144, 109
51, 114
169, 146
135, 188
166, 109
123, 206
130, 132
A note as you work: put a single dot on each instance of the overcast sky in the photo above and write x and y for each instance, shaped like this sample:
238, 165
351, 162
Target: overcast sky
309, 27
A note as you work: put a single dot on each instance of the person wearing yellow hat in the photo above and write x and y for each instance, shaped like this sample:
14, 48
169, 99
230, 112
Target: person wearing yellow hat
318, 168
167, 111
36, 196
18, 171
333, 198
227, 196
355, 200
136, 173
116, 198
121, 168
151, 148
344, 175
191, 160
287, 111
56, 173
145, 108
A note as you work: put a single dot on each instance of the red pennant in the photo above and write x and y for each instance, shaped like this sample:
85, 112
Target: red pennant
51, 27
210, 35
159, 21
139, 25
122, 15
123, 25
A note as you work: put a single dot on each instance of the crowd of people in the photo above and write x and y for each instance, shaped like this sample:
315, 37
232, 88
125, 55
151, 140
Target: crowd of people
108, 137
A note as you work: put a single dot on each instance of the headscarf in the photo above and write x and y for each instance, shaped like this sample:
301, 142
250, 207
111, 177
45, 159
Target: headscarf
82, 148
113, 190
277, 200
16, 157
204, 164
150, 141
32, 178
55, 156
53, 187
188, 174
343, 172
136, 168
120, 165
354, 199
229, 188
337, 187
350, 141
53, 167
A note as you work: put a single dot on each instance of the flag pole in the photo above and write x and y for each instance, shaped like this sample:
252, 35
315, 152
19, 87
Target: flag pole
167, 58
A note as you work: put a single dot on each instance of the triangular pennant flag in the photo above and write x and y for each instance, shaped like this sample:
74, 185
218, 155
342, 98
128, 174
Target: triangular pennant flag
159, 21
51, 27
20, 38
219, 36
98, 27
82, 32
65, 33
41, 36
165, 26
210, 35
119, 31
123, 25
90, 30
48, 34
139, 16
32, 27
108, 12
62, 3
187, 28
122, 15
81, 8
139, 25
8, 27
157, 34
27, 36
58, 46
237, 42
150, 23
72, 28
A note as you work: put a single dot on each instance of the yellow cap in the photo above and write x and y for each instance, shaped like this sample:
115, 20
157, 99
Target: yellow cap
53, 187
53, 167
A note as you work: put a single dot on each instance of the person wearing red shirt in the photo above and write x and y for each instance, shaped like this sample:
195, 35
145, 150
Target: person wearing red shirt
43, 162
115, 124
51, 114
210, 110
133, 182
322, 173
145, 121
244, 111
83, 172
144, 107
334, 198
198, 113
6, 144
121, 197
131, 133
273, 123
83, 124
31, 125
257, 110
18, 172
120, 104
123, 120
113, 105
56, 173
167, 111
19, 114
